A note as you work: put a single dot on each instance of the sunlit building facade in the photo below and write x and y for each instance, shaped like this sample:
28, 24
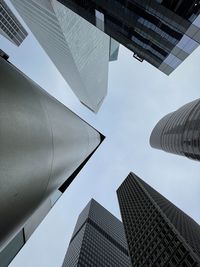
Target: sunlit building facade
98, 240
158, 233
80, 51
179, 132
10, 27
161, 32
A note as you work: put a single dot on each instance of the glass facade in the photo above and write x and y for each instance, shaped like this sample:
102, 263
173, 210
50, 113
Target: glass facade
178, 132
79, 50
162, 32
158, 233
98, 240
10, 27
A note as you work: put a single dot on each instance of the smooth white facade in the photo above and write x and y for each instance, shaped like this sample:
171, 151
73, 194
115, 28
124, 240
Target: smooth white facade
78, 49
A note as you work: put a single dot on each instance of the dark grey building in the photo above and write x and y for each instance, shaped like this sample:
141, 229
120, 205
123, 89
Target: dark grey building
179, 132
162, 32
10, 27
158, 233
98, 240
44, 145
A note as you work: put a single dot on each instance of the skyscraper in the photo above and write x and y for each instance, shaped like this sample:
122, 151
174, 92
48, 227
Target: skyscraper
10, 27
158, 233
178, 132
98, 240
161, 32
80, 51
43, 147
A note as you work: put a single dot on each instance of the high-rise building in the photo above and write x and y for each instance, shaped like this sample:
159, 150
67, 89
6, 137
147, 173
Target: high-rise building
80, 51
158, 233
178, 132
98, 240
10, 27
162, 32
44, 145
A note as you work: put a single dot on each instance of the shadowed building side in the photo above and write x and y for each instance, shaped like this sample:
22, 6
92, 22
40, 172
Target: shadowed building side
43, 144
158, 233
179, 132
98, 240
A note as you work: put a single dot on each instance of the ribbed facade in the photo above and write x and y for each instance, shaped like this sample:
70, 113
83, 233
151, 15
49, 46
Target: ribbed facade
161, 32
179, 131
79, 50
10, 27
98, 240
158, 233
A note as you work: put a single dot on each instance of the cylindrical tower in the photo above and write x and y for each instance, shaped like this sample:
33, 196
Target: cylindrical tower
179, 131
41, 144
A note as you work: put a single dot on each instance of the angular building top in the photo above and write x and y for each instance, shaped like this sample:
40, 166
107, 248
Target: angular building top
10, 27
178, 132
79, 50
158, 233
161, 32
98, 240
44, 145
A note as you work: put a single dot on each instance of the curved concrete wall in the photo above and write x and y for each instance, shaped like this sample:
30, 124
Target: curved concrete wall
41, 144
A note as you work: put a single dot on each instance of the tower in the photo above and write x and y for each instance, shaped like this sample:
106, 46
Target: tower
80, 51
44, 145
158, 233
178, 132
161, 32
98, 240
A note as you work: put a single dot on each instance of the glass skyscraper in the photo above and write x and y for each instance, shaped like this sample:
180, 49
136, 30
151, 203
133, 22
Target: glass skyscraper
158, 233
98, 240
10, 27
44, 145
80, 51
162, 32
179, 132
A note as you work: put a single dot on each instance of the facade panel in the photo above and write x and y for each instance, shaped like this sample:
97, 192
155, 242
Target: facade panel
79, 50
10, 27
178, 132
98, 240
158, 233
163, 33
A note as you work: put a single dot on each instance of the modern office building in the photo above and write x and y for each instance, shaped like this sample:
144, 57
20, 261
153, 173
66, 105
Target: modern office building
44, 145
161, 32
98, 240
80, 51
179, 132
10, 27
158, 233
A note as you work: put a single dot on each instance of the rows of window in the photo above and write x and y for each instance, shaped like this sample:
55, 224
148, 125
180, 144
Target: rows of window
180, 134
151, 239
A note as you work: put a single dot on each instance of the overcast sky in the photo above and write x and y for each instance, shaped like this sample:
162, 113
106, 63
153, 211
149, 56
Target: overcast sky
138, 96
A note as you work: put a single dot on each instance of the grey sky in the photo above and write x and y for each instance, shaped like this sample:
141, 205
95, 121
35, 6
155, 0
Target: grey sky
138, 96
